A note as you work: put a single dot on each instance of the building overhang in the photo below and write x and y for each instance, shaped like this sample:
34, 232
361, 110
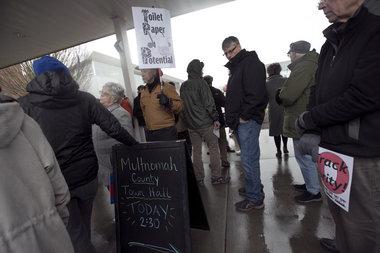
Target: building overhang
33, 28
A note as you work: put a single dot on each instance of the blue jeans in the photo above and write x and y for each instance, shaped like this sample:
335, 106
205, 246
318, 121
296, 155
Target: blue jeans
308, 169
248, 135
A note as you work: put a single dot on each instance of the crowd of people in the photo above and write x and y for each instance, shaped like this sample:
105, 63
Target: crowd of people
329, 100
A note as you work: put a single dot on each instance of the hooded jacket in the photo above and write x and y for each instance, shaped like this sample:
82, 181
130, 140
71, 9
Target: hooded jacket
33, 192
295, 92
199, 106
246, 95
65, 115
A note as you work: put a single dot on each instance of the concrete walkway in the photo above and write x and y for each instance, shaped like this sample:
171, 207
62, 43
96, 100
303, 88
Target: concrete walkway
281, 227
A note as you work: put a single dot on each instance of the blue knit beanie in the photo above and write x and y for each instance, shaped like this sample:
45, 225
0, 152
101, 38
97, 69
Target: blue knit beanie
48, 63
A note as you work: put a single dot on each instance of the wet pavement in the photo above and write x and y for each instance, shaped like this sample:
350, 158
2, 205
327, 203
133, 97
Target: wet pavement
282, 226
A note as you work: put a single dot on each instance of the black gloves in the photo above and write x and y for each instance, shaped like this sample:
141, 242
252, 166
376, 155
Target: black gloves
309, 141
164, 100
278, 99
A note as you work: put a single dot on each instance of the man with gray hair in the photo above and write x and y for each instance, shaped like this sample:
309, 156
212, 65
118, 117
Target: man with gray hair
246, 100
344, 116
294, 96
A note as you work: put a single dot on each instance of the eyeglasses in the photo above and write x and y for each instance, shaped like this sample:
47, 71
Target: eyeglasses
230, 51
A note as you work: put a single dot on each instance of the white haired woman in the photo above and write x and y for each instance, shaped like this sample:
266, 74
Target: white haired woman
110, 97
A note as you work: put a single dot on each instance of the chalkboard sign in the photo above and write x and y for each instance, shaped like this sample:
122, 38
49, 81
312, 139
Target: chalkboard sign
152, 206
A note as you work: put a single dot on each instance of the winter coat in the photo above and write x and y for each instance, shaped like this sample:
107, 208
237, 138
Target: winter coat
199, 107
345, 102
295, 92
156, 116
275, 111
33, 192
220, 101
103, 142
246, 96
65, 116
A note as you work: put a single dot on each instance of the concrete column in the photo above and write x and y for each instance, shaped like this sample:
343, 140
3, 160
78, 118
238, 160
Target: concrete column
125, 56
126, 65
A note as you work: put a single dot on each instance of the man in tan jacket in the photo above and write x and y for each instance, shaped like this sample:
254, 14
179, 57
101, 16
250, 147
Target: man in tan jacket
160, 103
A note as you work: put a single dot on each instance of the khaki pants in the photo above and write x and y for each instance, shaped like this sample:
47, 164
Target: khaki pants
359, 229
197, 137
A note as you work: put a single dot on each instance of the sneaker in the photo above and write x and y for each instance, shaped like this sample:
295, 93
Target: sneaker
226, 164
247, 205
308, 197
300, 187
328, 244
220, 180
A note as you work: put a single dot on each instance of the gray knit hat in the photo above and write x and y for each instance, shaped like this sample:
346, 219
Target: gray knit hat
301, 47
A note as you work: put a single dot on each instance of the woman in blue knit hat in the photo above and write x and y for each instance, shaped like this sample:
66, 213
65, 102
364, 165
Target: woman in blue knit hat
65, 115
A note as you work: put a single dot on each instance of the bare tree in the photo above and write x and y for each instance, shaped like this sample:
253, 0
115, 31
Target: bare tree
14, 79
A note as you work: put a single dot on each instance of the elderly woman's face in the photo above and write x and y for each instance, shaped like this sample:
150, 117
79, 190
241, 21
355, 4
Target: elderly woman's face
105, 98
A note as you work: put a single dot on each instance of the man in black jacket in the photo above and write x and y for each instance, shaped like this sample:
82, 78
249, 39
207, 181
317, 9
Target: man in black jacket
65, 116
345, 110
246, 101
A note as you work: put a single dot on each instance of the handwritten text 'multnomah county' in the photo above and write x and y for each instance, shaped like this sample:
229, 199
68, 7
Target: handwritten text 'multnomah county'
140, 165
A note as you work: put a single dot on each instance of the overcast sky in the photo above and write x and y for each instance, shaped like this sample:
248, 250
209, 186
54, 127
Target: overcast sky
266, 26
